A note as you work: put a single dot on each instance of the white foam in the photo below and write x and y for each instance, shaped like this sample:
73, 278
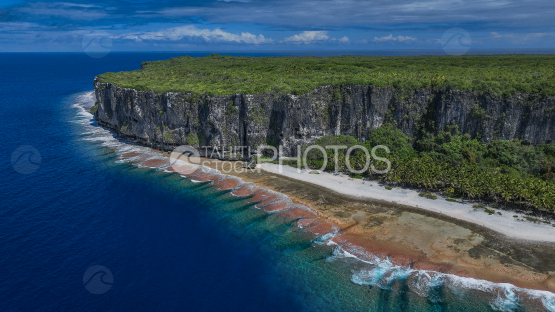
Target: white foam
381, 275
248, 185
327, 237
422, 281
379, 272
280, 198
547, 298
548, 302
506, 300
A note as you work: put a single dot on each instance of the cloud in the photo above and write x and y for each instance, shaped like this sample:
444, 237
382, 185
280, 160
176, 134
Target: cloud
307, 37
64, 10
344, 40
376, 14
492, 23
501, 15
191, 31
522, 38
390, 38
19, 26
498, 36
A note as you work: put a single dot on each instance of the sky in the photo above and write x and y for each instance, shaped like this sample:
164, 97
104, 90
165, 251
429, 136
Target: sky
269, 25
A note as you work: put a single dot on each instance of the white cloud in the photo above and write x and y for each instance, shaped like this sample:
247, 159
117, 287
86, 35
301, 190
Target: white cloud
67, 4
19, 26
522, 38
434, 41
344, 40
307, 37
498, 36
178, 33
390, 38
65, 10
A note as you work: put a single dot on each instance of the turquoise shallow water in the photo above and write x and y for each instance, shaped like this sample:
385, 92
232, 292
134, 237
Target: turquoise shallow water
170, 244
318, 274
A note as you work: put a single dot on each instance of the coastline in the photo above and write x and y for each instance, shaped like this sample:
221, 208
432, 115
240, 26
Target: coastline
505, 223
407, 235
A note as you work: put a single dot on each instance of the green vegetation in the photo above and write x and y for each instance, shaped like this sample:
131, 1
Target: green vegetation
290, 162
532, 219
510, 173
452, 200
489, 211
265, 158
387, 187
427, 195
501, 171
314, 172
457, 165
192, 139
94, 108
220, 75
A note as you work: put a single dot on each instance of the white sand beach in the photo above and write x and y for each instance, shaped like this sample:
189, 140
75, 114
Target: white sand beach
505, 223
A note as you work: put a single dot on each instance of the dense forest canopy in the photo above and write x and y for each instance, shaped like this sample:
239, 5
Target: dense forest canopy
221, 75
511, 173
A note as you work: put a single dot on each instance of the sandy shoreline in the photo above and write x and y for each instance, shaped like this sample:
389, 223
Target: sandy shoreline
388, 224
505, 224
337, 210
411, 237
415, 232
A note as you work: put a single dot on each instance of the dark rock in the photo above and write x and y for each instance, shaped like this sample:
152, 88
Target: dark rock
167, 120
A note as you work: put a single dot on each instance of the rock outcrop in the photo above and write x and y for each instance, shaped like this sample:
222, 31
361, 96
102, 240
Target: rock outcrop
167, 120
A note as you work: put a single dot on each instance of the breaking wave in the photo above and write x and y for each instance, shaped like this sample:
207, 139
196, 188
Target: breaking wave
370, 270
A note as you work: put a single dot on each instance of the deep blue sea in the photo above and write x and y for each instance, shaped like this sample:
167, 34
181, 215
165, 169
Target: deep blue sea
82, 231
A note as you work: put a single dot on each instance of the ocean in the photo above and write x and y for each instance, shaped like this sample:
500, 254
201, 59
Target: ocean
84, 230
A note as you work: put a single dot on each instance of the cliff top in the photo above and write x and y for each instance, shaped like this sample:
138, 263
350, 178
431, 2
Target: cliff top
219, 75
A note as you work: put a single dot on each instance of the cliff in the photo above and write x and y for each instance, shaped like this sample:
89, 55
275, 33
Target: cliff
166, 120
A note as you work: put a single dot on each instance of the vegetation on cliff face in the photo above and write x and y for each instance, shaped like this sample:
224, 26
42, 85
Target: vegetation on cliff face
457, 165
221, 75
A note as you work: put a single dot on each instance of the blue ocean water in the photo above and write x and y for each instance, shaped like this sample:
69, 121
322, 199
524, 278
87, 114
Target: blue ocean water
165, 243
77, 210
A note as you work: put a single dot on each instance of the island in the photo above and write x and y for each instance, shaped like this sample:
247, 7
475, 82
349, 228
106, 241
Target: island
464, 133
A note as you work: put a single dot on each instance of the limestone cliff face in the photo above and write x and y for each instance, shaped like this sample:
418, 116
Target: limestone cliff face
167, 120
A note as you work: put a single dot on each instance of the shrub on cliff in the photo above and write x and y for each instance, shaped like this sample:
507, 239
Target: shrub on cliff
219, 75
399, 144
